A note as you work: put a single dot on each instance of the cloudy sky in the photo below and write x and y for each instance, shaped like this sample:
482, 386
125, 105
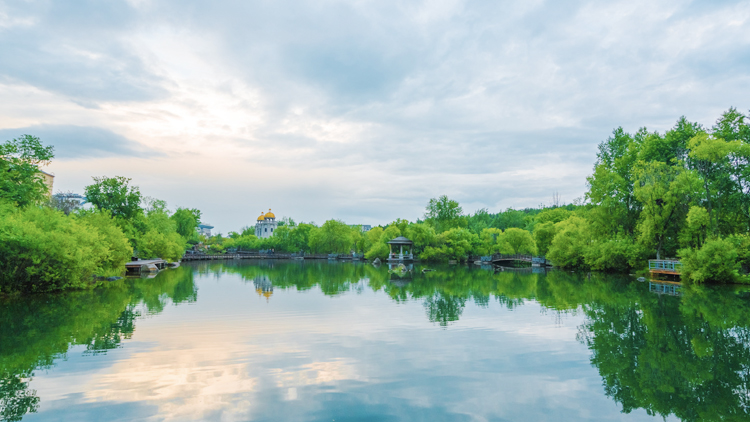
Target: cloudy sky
357, 110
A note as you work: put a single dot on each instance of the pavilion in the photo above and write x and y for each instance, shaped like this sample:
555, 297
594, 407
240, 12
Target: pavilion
401, 256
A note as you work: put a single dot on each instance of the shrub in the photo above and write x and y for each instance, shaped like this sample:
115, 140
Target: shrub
715, 261
42, 249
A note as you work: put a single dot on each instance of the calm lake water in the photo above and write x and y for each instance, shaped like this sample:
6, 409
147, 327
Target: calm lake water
313, 341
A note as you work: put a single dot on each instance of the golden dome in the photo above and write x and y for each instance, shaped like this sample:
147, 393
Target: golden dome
269, 214
261, 218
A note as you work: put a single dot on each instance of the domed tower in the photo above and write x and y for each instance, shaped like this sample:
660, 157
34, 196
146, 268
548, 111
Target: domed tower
265, 225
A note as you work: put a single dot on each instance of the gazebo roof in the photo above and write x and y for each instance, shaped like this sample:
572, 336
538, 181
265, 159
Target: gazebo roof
401, 240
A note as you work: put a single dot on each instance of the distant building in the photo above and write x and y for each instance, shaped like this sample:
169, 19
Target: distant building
364, 227
265, 225
49, 180
204, 229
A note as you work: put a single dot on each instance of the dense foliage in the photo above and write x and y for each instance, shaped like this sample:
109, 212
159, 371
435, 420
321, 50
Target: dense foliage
684, 193
21, 181
47, 244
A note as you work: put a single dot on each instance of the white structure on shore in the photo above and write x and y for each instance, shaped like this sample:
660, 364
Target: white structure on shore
265, 225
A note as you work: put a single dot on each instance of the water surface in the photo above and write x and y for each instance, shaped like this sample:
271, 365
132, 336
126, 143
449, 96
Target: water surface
313, 341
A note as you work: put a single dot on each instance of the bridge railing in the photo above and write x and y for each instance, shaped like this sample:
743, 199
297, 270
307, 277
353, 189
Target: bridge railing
665, 265
517, 257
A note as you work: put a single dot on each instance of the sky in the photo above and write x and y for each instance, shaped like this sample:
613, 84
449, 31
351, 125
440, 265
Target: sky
358, 110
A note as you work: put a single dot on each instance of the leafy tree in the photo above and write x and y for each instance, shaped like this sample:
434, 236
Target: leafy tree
333, 236
553, 215
492, 241
390, 233
186, 221
696, 226
611, 185
709, 155
379, 250
21, 180
443, 213
455, 243
570, 243
480, 220
510, 218
520, 241
422, 235
114, 248
666, 193
543, 235
115, 195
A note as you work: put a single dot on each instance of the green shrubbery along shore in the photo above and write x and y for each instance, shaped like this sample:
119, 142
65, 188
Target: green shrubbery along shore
43, 248
682, 194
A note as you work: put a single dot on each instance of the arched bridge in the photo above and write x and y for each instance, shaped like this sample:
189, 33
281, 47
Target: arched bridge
501, 258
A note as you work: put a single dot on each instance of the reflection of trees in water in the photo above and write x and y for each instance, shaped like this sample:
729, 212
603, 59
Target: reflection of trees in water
121, 329
443, 309
688, 356
38, 329
654, 352
15, 397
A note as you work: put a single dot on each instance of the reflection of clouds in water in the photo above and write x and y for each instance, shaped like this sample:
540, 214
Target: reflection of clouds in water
305, 356
317, 373
184, 384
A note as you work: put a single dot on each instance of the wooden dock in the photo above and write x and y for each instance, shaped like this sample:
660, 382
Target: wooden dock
145, 266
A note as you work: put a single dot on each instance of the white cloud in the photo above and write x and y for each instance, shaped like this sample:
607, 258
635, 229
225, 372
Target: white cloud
367, 108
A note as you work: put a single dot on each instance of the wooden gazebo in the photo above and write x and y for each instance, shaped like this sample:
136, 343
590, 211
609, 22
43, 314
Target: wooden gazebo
401, 242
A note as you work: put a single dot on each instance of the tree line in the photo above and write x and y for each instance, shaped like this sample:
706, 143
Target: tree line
50, 245
682, 194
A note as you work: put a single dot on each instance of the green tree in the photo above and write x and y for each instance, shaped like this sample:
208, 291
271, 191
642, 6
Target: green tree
333, 236
709, 156
665, 193
520, 241
480, 220
611, 185
443, 213
570, 243
492, 241
21, 180
422, 235
696, 226
115, 195
543, 235
186, 221
510, 218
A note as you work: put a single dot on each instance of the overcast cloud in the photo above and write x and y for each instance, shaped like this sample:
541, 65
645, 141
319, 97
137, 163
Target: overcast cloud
358, 110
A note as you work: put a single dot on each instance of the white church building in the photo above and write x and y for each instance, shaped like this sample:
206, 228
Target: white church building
265, 225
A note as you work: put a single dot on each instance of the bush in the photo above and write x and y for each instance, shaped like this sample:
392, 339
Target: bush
117, 250
42, 249
619, 254
715, 261
169, 246
378, 250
